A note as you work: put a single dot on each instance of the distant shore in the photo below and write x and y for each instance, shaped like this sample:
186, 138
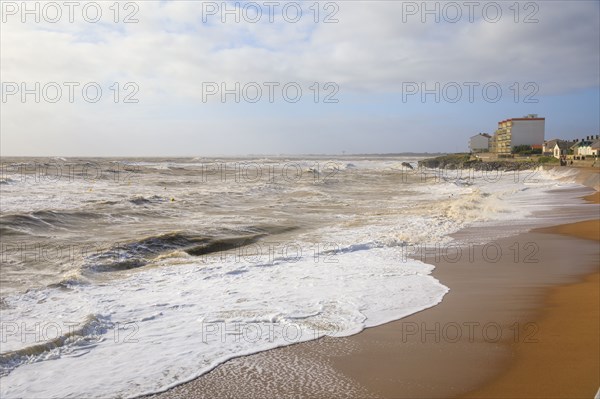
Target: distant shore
486, 161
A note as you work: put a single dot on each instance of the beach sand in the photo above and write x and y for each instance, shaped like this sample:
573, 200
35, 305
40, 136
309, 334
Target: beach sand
594, 198
525, 325
565, 362
589, 229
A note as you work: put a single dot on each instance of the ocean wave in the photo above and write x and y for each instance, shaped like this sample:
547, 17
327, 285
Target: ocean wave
185, 323
33, 222
74, 342
139, 253
9, 231
141, 200
7, 181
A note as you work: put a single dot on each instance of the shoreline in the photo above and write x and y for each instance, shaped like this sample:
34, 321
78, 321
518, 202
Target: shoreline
422, 355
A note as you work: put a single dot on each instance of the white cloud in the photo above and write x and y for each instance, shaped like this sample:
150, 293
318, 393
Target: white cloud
169, 53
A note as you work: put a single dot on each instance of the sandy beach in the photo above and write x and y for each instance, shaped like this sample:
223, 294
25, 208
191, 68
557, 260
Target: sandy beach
566, 361
493, 335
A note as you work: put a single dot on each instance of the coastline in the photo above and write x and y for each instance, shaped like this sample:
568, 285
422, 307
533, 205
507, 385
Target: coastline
537, 354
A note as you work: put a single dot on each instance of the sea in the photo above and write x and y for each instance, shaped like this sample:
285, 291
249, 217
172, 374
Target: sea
126, 277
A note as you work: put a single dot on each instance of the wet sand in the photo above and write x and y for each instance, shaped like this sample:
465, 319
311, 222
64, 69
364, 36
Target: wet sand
589, 229
565, 362
594, 198
521, 321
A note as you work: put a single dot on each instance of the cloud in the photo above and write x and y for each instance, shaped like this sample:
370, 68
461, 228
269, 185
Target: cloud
370, 52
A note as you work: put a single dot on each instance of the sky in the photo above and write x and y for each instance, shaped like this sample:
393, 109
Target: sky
203, 78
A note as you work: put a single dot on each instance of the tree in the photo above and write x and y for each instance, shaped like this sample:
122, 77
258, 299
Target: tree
522, 149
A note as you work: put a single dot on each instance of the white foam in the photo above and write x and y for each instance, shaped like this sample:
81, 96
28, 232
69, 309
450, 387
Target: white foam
186, 318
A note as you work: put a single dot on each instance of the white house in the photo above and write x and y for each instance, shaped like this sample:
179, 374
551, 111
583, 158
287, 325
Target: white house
561, 148
596, 148
480, 142
586, 147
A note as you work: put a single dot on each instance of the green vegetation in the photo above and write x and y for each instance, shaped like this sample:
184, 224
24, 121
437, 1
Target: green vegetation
445, 160
545, 160
454, 158
526, 150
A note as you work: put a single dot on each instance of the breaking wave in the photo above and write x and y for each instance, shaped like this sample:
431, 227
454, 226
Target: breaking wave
73, 342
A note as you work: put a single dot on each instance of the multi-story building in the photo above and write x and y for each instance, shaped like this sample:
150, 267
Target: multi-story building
480, 143
529, 130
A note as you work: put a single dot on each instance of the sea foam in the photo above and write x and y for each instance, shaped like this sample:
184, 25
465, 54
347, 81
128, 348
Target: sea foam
169, 325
